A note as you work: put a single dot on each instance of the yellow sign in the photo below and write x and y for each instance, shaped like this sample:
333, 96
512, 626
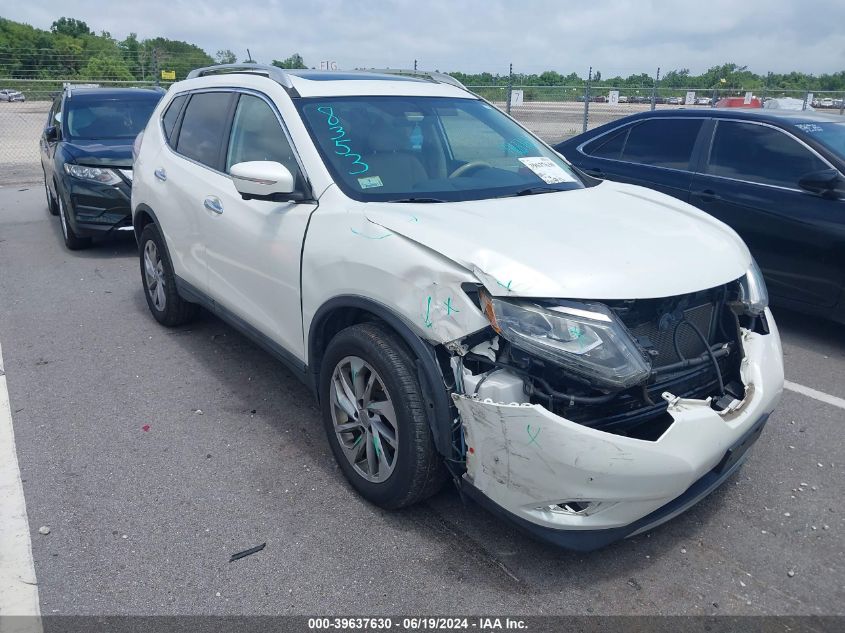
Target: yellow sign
168, 74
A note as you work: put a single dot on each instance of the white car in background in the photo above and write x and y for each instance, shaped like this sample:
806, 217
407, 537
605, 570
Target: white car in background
11, 95
586, 358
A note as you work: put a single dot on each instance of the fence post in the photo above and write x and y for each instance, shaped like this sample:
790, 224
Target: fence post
654, 89
510, 89
715, 97
587, 99
806, 94
156, 72
842, 104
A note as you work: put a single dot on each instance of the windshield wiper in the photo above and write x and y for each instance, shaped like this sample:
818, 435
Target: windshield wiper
531, 191
421, 200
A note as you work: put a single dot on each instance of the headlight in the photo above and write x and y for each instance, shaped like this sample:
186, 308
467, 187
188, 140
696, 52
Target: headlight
585, 339
752, 291
96, 174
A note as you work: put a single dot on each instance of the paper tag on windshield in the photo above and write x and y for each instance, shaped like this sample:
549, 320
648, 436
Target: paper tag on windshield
370, 182
547, 170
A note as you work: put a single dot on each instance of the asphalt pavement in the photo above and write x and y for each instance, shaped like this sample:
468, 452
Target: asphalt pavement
154, 454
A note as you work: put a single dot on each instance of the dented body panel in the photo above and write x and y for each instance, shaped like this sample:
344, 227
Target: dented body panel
524, 458
612, 241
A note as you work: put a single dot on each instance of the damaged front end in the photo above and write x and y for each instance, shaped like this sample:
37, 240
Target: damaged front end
589, 421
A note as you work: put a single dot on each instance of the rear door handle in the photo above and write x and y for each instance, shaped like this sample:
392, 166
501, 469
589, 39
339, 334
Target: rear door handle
707, 195
160, 174
213, 204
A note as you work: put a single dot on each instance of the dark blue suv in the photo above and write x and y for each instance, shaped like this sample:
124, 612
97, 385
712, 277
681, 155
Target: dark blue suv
86, 155
776, 177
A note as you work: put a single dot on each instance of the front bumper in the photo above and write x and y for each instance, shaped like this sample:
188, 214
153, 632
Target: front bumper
523, 459
96, 209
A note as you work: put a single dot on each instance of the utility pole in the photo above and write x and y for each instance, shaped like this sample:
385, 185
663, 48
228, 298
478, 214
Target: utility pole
156, 71
587, 99
415, 64
510, 89
654, 89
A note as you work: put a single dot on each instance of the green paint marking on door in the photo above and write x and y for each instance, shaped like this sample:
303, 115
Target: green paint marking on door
428, 314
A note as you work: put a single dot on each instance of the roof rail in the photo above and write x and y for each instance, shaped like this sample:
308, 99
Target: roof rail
273, 72
442, 78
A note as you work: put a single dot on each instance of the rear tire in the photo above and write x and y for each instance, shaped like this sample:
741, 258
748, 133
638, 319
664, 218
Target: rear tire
72, 241
159, 282
385, 447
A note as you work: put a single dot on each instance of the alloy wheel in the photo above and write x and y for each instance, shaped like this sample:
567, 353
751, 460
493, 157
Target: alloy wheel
63, 218
154, 275
364, 419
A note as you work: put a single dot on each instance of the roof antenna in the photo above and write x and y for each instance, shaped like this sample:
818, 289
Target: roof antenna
249, 59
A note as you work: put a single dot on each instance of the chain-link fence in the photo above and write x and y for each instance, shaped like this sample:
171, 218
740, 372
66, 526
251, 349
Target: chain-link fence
554, 113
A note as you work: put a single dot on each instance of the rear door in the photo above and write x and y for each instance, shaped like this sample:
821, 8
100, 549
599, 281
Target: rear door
187, 171
655, 153
749, 180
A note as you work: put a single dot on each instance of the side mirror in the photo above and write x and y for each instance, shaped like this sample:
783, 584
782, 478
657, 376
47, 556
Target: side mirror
826, 183
264, 180
51, 133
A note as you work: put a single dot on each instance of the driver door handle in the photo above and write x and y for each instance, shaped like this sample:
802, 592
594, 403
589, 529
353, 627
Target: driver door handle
213, 204
160, 174
707, 195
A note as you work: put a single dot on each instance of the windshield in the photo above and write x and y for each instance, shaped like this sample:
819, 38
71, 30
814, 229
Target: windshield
429, 149
108, 119
829, 134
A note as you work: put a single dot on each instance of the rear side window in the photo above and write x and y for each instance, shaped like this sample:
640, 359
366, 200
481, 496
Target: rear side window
203, 125
662, 142
610, 145
168, 121
760, 154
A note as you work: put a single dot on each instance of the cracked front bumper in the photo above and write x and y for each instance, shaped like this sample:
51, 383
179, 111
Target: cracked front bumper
523, 460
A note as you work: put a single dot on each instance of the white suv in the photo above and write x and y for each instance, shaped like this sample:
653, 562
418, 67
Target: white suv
586, 358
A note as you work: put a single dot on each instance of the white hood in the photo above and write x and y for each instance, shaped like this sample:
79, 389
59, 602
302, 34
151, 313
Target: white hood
612, 241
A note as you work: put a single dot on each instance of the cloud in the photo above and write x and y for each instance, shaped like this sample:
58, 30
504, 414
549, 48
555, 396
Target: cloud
614, 36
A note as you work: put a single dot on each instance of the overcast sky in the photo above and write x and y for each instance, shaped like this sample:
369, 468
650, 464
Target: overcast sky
614, 36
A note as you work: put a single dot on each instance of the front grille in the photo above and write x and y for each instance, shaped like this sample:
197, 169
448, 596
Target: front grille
656, 335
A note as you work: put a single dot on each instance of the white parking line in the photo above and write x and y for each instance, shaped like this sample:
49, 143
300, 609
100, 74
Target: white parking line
821, 396
18, 588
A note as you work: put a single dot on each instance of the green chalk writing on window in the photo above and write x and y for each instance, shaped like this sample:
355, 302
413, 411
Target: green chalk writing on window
342, 141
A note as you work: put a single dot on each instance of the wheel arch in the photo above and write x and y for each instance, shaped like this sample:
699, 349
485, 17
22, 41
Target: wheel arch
142, 216
343, 311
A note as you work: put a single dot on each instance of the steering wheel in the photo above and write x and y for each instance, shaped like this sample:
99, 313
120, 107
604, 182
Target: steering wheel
470, 166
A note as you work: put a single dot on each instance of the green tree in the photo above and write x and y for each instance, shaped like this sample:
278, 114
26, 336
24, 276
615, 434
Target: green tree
70, 26
294, 61
105, 67
225, 56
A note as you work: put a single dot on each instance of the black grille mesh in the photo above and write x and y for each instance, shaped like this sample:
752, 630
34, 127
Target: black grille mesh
657, 336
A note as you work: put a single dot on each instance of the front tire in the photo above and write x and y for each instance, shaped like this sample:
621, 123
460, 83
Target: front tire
72, 240
374, 417
159, 282
52, 206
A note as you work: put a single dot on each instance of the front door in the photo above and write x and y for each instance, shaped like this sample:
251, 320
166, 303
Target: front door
253, 247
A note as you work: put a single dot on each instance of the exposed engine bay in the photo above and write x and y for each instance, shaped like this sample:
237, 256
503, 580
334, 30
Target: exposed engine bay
612, 364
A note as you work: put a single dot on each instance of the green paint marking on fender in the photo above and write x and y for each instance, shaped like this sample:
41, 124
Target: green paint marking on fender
370, 237
532, 436
427, 320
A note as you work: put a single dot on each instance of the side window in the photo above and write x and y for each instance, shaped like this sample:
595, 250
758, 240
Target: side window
257, 135
203, 126
662, 142
609, 145
761, 154
168, 119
